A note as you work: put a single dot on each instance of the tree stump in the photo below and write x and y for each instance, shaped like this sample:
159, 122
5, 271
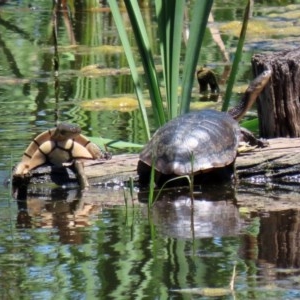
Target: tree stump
279, 104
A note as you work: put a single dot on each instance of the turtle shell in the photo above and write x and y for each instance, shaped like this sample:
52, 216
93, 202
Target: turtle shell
58, 153
193, 142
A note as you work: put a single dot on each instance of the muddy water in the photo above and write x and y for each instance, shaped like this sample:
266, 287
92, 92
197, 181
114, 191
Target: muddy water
61, 243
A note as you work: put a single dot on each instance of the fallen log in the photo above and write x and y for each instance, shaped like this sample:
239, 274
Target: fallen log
279, 163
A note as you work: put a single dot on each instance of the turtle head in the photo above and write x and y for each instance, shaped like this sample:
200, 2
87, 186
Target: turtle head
251, 94
260, 81
65, 131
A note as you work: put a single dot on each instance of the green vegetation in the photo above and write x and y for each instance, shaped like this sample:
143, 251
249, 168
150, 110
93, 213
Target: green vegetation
237, 58
169, 16
178, 73
170, 27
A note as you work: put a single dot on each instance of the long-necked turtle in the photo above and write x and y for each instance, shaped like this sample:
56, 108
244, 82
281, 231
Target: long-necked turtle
60, 146
198, 142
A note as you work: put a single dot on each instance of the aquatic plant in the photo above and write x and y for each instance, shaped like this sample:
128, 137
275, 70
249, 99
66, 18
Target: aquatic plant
178, 76
169, 16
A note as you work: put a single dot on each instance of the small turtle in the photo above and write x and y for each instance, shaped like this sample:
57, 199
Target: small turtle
60, 146
200, 142
206, 77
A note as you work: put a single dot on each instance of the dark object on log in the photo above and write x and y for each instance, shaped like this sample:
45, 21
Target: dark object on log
278, 105
206, 77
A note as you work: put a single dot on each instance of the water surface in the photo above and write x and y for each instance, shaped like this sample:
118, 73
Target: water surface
104, 243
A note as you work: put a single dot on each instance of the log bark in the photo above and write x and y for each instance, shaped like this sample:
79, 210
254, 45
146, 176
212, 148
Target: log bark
278, 105
278, 164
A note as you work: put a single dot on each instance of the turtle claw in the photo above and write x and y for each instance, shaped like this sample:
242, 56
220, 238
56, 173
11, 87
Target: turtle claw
98, 153
262, 143
245, 147
107, 155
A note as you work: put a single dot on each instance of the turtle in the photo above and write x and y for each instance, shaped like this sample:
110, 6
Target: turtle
60, 146
203, 143
206, 77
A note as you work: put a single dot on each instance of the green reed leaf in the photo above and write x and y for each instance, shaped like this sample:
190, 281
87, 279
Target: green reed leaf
116, 144
237, 58
201, 10
170, 23
145, 51
130, 58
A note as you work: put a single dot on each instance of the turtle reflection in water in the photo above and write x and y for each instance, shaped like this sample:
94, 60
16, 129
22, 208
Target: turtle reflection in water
203, 143
60, 146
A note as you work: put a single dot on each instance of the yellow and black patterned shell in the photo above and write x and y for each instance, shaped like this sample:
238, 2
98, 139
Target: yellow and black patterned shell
193, 142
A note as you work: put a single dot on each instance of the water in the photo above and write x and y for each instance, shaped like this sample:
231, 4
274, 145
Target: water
88, 248
61, 243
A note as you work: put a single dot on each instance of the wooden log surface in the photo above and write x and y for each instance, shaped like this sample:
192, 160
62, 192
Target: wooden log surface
278, 163
268, 180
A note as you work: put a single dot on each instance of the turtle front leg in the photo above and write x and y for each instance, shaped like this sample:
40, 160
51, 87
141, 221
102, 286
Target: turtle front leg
21, 169
248, 137
37, 159
35, 144
82, 178
27, 161
93, 149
